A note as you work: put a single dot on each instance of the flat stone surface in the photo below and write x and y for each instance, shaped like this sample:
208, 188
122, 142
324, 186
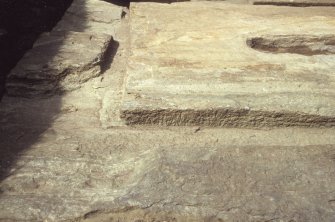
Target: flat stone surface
98, 16
300, 3
67, 168
235, 65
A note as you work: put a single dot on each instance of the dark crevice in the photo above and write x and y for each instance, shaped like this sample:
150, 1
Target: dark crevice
239, 118
109, 55
21, 23
297, 44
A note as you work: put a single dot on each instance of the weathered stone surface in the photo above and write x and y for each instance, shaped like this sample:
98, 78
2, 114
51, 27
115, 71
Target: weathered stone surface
59, 163
98, 16
301, 3
274, 66
24, 21
297, 3
70, 54
78, 171
58, 61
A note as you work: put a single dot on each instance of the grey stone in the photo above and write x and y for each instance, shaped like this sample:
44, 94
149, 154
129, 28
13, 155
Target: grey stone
273, 66
299, 3
81, 172
72, 53
59, 163
94, 16
58, 61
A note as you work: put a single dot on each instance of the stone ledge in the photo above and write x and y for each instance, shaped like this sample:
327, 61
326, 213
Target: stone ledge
58, 62
70, 54
204, 72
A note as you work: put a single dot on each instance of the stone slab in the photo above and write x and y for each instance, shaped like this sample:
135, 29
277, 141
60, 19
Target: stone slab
65, 166
90, 16
295, 3
58, 61
298, 3
72, 53
220, 64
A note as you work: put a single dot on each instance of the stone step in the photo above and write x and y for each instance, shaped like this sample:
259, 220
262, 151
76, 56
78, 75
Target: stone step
230, 65
72, 53
59, 61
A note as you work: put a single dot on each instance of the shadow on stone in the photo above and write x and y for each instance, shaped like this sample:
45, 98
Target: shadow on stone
21, 22
296, 44
109, 56
22, 120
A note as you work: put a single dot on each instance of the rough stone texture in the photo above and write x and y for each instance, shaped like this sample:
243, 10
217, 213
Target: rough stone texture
59, 162
70, 168
299, 3
219, 75
70, 54
23, 21
58, 61
96, 14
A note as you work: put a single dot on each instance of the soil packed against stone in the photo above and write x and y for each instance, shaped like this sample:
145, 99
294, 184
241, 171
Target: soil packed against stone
182, 72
